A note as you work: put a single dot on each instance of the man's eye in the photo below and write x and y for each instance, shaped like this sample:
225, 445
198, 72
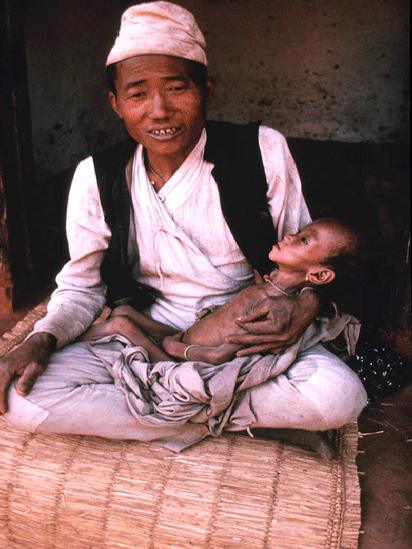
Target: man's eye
138, 95
177, 88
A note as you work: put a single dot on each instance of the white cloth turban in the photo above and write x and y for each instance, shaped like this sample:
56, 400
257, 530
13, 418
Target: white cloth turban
158, 28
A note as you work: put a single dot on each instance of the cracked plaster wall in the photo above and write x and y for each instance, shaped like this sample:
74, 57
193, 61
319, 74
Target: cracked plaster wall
317, 69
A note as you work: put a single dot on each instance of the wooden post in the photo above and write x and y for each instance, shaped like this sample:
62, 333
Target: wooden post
16, 157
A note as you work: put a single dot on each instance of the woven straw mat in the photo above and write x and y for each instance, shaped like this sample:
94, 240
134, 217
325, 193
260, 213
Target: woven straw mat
73, 492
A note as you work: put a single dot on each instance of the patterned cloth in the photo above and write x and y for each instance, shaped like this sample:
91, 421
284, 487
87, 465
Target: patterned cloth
381, 370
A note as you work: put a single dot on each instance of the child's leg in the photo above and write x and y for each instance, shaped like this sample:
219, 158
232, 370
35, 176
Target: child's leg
124, 326
105, 328
148, 325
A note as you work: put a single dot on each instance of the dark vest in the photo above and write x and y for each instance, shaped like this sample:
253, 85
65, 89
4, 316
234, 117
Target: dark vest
239, 173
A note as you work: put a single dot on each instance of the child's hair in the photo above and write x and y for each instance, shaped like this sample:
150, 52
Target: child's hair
348, 259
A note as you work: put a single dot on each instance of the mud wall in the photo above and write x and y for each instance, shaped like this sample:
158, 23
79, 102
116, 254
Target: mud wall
314, 69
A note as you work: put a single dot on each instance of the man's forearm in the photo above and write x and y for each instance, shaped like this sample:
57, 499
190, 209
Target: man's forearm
80, 294
311, 304
69, 313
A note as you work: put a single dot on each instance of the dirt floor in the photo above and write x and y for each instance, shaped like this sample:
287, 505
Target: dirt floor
384, 463
385, 466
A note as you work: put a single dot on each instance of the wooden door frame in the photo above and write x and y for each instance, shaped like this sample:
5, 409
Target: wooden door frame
16, 159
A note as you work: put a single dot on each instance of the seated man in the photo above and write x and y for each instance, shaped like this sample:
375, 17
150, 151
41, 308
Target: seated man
186, 207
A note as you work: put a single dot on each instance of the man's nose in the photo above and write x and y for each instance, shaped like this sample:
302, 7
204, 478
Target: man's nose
160, 106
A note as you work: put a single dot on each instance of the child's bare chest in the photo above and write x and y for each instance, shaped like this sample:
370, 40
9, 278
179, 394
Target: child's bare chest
216, 326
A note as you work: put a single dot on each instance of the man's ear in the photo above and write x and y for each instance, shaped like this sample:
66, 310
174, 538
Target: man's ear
320, 277
113, 102
210, 88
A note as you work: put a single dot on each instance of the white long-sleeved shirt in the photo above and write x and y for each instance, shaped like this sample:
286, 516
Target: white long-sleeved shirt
184, 245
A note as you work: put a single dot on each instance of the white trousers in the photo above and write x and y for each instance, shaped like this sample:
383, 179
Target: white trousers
77, 395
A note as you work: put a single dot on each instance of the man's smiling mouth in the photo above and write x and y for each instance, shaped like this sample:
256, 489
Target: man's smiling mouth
165, 133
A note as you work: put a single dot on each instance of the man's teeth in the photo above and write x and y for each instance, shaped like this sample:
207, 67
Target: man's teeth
164, 132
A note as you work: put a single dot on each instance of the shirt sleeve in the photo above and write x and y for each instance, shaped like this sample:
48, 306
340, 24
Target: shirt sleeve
80, 293
285, 198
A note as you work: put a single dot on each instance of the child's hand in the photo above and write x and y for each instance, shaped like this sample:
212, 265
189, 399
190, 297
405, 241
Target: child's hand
173, 346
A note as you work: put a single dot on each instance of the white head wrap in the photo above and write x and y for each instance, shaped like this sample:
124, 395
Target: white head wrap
158, 28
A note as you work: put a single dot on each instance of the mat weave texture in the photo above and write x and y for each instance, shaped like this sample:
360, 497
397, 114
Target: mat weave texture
77, 492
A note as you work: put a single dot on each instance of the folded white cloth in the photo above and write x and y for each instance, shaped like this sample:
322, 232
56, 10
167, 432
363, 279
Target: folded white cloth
193, 393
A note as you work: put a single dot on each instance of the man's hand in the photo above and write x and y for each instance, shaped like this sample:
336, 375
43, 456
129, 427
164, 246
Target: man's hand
276, 323
27, 362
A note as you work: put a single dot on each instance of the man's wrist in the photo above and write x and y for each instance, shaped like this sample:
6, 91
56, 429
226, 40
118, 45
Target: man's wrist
44, 340
311, 301
327, 307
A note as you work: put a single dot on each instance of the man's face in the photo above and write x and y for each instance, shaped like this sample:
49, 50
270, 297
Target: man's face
306, 249
160, 105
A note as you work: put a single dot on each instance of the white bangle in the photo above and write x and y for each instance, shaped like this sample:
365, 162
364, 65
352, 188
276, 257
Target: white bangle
188, 349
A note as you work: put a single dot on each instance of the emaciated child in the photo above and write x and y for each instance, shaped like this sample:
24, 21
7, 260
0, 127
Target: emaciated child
324, 253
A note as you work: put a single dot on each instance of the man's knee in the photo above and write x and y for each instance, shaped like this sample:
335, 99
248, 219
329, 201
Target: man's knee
343, 406
333, 389
22, 413
317, 393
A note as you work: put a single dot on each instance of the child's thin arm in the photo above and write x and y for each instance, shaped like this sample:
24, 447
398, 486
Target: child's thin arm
203, 353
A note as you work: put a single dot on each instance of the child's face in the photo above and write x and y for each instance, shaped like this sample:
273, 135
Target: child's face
306, 249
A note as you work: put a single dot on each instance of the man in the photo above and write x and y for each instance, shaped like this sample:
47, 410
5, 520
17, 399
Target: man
179, 213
